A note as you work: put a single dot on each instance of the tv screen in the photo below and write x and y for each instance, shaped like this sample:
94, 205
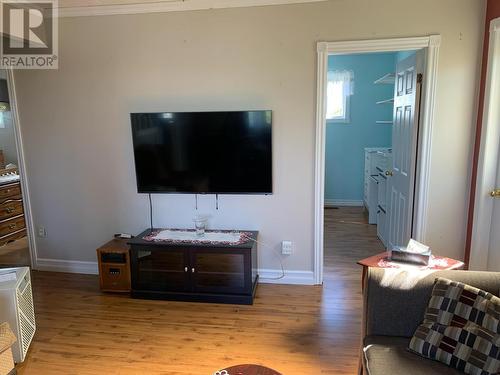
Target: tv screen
203, 152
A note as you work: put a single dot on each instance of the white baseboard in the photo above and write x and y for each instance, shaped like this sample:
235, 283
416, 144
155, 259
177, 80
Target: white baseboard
266, 276
69, 266
272, 276
343, 202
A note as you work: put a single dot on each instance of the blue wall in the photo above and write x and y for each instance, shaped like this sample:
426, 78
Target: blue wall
401, 55
345, 142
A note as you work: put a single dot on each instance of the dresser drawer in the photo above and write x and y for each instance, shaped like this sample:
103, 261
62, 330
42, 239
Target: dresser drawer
12, 225
11, 190
12, 237
11, 208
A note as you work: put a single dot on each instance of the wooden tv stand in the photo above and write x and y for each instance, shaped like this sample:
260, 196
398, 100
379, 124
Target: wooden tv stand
194, 271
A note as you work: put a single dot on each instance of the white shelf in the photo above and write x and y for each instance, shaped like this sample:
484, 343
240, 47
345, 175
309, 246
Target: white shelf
387, 101
387, 79
383, 122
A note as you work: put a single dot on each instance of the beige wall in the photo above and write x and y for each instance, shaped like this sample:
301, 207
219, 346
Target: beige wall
76, 127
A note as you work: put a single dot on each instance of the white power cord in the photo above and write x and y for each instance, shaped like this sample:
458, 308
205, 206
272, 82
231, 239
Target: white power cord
263, 244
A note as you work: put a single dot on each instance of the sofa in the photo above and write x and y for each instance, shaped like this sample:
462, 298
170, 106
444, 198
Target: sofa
394, 305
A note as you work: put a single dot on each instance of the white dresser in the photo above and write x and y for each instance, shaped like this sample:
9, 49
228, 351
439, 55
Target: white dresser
377, 162
374, 157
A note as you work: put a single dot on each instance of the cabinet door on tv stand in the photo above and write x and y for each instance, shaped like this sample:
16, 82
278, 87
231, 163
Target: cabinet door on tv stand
160, 269
221, 271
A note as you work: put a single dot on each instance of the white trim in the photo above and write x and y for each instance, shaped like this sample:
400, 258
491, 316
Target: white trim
488, 156
343, 203
423, 172
69, 266
431, 43
266, 276
378, 45
319, 168
28, 213
271, 276
169, 6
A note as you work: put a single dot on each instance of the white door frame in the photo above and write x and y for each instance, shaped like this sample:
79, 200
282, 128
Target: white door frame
28, 216
488, 156
431, 43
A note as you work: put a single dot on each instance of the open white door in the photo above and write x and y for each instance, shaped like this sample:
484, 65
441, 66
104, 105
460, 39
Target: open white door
494, 246
485, 243
404, 149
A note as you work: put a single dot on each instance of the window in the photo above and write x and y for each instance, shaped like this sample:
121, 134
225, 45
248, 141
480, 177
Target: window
338, 91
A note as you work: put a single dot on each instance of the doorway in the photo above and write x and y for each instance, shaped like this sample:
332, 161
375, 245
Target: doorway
15, 218
418, 179
484, 252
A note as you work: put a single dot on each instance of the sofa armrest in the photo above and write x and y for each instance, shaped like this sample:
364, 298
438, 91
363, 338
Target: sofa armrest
7, 338
395, 300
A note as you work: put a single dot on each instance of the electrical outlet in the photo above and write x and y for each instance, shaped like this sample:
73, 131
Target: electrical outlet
286, 247
42, 232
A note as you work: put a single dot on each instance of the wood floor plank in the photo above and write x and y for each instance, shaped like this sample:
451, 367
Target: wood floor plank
294, 329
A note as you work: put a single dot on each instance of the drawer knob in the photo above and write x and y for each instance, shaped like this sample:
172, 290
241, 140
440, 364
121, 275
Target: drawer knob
185, 269
192, 270
9, 210
12, 226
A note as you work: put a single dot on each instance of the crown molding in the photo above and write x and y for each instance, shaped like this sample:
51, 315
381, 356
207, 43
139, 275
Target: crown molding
379, 45
169, 6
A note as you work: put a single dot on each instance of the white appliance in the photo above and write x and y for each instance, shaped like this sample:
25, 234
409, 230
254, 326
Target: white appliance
16, 308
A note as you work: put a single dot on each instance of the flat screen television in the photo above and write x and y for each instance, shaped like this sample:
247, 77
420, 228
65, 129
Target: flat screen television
203, 152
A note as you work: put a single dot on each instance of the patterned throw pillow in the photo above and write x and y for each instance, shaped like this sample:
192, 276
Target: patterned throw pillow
461, 328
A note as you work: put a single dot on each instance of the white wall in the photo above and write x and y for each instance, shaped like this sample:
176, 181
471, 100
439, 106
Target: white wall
76, 127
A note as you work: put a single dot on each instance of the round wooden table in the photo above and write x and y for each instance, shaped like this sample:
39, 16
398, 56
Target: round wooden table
247, 370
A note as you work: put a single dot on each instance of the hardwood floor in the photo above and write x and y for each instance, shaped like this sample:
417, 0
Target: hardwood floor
292, 329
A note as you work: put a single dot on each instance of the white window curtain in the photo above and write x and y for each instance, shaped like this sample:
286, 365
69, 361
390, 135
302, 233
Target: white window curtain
339, 88
344, 78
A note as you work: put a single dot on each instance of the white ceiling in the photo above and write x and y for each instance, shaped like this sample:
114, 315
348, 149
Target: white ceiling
75, 8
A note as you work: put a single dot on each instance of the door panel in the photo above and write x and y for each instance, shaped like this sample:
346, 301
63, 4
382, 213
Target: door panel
484, 239
494, 246
160, 270
404, 150
219, 271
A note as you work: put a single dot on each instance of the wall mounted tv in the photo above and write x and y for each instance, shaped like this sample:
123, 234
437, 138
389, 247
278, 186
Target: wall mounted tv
203, 152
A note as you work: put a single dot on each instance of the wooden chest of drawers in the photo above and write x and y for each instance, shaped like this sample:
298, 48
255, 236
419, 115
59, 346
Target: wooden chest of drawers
12, 223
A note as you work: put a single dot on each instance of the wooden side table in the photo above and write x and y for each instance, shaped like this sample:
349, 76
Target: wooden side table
114, 266
382, 260
247, 370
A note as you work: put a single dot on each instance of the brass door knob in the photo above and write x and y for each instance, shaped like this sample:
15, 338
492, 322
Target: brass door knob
495, 193
388, 173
